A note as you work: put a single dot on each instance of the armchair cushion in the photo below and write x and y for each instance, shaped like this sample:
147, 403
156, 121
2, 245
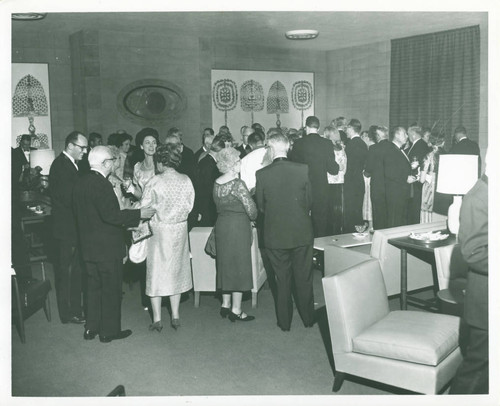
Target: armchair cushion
423, 338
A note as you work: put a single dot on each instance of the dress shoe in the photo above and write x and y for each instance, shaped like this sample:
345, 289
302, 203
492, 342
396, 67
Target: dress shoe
75, 320
175, 324
224, 312
233, 317
156, 326
89, 334
119, 336
282, 328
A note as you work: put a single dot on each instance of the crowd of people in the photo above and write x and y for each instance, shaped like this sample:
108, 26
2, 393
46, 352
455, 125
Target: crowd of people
292, 185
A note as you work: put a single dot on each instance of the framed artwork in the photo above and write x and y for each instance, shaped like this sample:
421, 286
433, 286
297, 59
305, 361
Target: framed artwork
273, 99
31, 104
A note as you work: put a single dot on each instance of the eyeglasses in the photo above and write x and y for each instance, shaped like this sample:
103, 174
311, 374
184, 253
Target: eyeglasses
110, 159
82, 147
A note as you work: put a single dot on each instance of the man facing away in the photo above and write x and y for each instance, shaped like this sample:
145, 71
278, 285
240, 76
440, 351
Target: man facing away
283, 194
464, 145
100, 225
317, 152
354, 183
63, 175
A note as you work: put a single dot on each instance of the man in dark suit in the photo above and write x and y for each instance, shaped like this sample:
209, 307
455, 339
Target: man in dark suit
204, 204
283, 194
317, 152
68, 271
21, 156
472, 374
244, 148
374, 169
100, 226
464, 145
95, 139
206, 139
397, 175
416, 155
354, 183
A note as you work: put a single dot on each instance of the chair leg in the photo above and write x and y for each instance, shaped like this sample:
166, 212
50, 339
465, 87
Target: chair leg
254, 300
46, 308
338, 381
196, 299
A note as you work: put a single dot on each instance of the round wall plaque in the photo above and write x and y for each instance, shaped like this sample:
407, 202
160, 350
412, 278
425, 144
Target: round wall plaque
151, 101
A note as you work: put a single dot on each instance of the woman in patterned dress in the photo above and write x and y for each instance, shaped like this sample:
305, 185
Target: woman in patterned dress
233, 235
168, 267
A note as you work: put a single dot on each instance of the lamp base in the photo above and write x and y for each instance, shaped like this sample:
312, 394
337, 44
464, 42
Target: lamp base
454, 215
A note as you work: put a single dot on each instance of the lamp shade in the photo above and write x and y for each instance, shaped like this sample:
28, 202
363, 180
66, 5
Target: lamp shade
42, 158
456, 174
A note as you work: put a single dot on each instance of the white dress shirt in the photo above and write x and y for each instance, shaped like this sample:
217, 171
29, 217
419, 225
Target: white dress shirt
250, 164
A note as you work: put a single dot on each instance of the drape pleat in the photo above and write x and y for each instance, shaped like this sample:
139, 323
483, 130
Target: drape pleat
435, 81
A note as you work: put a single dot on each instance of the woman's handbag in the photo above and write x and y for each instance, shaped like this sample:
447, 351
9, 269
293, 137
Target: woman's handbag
210, 245
138, 249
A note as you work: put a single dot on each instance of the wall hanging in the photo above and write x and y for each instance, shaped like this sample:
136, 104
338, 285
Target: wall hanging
273, 99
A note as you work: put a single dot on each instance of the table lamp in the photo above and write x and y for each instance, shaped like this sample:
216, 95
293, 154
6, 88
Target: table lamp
456, 176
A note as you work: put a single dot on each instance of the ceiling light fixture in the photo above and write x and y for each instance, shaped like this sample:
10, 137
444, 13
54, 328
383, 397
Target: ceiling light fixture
302, 34
28, 16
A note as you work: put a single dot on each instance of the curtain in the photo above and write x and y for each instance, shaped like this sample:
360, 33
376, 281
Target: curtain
435, 81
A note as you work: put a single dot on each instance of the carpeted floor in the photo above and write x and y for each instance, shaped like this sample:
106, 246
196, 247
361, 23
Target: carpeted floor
207, 356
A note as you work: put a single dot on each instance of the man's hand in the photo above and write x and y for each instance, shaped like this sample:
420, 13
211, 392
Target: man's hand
411, 179
147, 212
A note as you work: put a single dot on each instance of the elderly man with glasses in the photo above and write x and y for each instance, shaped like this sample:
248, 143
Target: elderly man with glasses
68, 270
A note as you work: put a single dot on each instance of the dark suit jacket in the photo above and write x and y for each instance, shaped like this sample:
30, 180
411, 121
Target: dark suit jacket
100, 220
19, 159
204, 201
397, 190
356, 152
198, 153
468, 147
62, 178
317, 152
374, 167
243, 151
283, 194
188, 164
419, 149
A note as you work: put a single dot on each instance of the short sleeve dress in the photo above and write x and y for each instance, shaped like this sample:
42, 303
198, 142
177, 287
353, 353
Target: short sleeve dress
168, 266
233, 235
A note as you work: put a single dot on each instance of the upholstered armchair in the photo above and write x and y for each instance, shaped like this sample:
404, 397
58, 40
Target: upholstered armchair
414, 350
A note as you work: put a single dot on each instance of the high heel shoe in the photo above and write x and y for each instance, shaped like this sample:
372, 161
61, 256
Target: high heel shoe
156, 326
233, 317
175, 324
224, 311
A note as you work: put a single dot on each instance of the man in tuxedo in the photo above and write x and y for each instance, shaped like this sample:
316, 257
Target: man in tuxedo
206, 139
100, 225
204, 204
68, 271
464, 145
21, 156
317, 152
397, 175
283, 195
188, 161
354, 183
95, 139
416, 155
472, 374
244, 148
374, 169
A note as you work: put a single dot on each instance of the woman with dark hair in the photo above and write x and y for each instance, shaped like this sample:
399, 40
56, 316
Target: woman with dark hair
168, 267
233, 235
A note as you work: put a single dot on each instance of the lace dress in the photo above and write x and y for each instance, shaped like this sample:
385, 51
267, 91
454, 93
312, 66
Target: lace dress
429, 186
233, 235
168, 266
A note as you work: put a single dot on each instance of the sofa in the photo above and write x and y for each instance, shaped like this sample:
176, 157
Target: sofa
337, 259
203, 265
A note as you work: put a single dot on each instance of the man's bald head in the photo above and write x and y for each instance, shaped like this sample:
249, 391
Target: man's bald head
101, 158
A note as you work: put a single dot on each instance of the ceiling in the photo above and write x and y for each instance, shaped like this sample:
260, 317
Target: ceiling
337, 29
